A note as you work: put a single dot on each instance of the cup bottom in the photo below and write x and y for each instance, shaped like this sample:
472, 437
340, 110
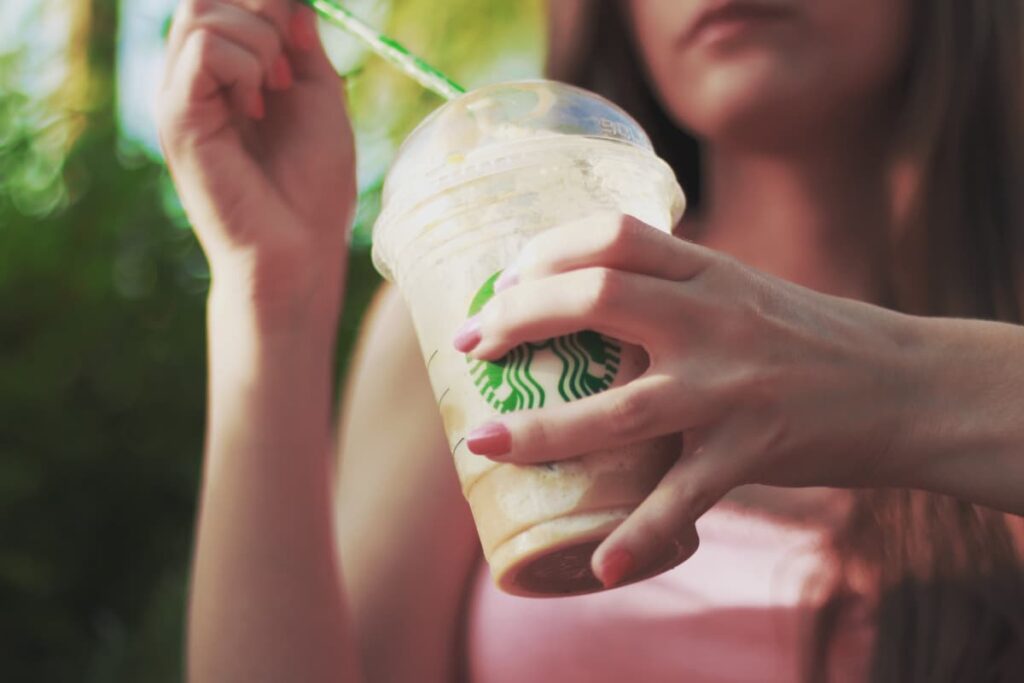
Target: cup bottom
563, 571
553, 559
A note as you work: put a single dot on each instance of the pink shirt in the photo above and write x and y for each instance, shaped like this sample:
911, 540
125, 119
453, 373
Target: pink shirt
735, 611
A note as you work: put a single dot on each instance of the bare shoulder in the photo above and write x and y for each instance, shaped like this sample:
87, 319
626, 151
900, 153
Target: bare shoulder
406, 537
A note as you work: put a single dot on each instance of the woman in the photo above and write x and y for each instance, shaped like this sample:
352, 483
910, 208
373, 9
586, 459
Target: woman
857, 158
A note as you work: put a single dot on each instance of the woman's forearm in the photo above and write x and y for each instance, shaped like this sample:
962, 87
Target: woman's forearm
965, 436
267, 601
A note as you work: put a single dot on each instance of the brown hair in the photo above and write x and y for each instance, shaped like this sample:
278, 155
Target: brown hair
946, 576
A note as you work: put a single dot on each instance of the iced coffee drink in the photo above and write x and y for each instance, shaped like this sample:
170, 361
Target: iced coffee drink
470, 187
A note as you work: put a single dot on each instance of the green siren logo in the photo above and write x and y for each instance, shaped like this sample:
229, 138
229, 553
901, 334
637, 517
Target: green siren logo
584, 363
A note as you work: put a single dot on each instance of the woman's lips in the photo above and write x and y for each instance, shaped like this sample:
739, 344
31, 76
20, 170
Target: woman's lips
727, 19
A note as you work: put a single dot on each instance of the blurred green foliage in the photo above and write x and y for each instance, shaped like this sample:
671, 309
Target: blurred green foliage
102, 292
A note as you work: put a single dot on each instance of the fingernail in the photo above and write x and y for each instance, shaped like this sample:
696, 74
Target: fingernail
492, 438
617, 565
303, 28
468, 336
281, 74
508, 278
257, 109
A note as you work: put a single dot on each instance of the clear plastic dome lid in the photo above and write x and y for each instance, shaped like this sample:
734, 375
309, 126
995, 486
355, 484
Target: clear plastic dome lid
470, 127
507, 134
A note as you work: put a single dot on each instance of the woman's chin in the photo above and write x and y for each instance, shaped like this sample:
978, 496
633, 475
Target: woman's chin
762, 117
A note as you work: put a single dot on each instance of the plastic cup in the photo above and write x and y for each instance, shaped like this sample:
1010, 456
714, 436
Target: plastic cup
470, 187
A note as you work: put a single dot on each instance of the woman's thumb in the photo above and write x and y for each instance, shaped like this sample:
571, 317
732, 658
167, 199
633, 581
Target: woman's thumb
660, 533
307, 55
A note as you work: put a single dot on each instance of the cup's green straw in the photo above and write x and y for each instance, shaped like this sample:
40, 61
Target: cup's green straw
392, 51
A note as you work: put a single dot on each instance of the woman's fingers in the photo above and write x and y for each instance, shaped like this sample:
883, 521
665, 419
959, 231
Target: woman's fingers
281, 36
623, 305
211, 65
192, 13
225, 57
648, 406
252, 31
214, 78
258, 26
279, 12
610, 240
660, 533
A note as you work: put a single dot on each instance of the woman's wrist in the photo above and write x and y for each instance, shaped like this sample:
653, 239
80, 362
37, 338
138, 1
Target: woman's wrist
285, 299
964, 428
272, 332
271, 372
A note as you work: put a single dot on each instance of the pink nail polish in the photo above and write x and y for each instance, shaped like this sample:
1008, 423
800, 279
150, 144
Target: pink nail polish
617, 565
281, 73
257, 109
468, 336
303, 28
491, 439
508, 278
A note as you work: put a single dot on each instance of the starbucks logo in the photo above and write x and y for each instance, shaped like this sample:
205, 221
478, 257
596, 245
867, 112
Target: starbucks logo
573, 366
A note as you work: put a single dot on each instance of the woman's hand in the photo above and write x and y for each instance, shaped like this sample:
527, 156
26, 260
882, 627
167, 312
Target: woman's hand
253, 124
769, 382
